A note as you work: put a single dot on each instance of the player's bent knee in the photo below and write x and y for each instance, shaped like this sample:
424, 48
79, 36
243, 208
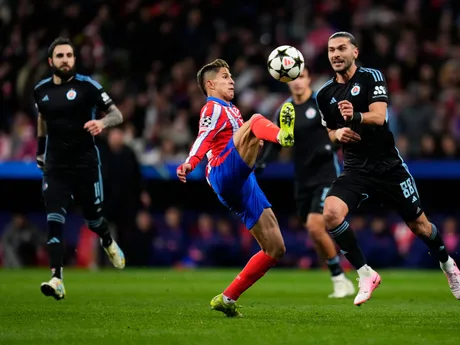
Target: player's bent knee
276, 250
334, 212
315, 225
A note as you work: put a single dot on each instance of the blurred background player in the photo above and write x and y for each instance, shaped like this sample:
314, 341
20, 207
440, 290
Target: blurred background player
67, 153
315, 168
353, 107
232, 147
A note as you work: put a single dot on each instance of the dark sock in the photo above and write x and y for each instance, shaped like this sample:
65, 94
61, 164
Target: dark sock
55, 247
436, 244
334, 266
345, 238
101, 227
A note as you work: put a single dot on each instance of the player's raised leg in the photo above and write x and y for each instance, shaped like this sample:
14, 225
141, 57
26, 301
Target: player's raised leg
335, 211
429, 234
56, 193
264, 129
326, 249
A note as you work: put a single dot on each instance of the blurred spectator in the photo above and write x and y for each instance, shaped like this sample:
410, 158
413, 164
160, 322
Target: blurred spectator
380, 248
414, 43
140, 247
169, 244
21, 242
451, 237
124, 194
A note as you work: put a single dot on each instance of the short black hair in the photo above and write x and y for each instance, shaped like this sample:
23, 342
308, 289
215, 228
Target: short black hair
344, 34
308, 69
59, 42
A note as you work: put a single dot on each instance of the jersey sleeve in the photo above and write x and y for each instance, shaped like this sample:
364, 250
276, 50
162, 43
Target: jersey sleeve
208, 128
377, 87
102, 99
326, 121
35, 97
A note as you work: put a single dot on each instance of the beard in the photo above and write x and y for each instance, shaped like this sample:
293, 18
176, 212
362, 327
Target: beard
64, 75
345, 68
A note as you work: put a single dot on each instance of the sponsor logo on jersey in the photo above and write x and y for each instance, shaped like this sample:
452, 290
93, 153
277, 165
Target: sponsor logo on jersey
380, 90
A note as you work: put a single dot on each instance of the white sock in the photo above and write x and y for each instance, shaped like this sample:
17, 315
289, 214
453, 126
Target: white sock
365, 271
448, 265
341, 276
228, 300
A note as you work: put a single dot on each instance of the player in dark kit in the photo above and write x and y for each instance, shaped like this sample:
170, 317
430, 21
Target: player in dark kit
67, 104
353, 107
315, 168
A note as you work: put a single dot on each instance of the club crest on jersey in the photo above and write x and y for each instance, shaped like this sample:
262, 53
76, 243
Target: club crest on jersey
310, 113
71, 94
355, 90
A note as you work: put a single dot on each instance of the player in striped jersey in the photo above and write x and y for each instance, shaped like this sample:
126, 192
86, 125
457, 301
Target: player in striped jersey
232, 146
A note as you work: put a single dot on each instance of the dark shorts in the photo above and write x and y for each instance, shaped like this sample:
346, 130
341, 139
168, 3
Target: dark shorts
310, 199
236, 186
84, 186
395, 188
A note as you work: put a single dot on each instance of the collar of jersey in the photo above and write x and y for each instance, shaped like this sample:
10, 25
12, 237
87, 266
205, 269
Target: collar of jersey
221, 102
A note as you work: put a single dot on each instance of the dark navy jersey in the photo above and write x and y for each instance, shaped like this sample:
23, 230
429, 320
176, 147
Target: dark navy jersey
314, 157
66, 108
376, 151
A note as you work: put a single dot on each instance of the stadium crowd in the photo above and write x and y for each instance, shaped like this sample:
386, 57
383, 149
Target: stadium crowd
146, 53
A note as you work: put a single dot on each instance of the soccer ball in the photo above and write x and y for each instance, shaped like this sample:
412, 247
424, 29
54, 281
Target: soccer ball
285, 63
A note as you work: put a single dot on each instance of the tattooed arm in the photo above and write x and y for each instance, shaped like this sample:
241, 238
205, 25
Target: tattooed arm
113, 118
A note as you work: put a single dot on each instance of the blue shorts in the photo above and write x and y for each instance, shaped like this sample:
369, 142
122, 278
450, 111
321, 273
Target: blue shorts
236, 186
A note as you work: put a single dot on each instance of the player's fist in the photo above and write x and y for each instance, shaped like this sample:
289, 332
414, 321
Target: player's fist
347, 136
95, 127
40, 161
346, 110
183, 170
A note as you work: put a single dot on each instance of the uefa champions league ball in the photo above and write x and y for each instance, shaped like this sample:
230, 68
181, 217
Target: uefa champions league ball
285, 63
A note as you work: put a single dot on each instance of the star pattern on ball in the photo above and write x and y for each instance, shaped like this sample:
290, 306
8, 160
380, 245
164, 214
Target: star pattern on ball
283, 71
298, 61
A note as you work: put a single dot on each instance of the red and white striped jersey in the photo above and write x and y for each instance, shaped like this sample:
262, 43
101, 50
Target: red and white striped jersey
219, 120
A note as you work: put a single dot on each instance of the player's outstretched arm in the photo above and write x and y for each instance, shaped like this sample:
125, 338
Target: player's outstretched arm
42, 131
113, 118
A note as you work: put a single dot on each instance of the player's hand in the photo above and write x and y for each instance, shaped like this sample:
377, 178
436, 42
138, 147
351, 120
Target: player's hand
183, 170
346, 110
346, 135
95, 127
40, 161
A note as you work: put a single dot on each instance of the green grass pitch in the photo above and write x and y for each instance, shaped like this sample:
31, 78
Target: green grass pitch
172, 307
